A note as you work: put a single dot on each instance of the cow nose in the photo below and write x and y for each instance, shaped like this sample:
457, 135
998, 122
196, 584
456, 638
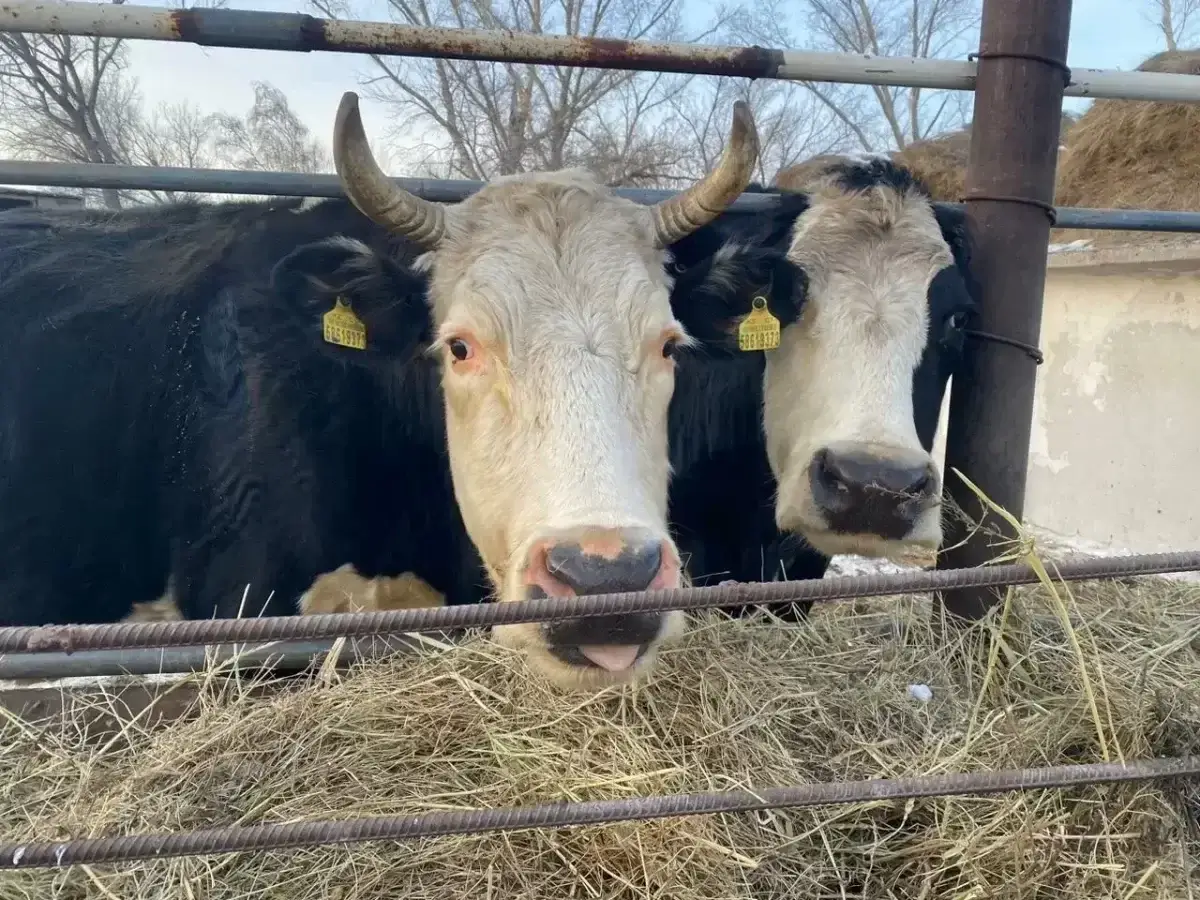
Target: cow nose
602, 561
861, 492
586, 571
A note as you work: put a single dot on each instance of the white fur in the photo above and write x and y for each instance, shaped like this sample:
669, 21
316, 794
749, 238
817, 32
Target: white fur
843, 374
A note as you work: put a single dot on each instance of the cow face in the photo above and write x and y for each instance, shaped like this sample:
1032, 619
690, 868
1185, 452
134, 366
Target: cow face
852, 394
550, 315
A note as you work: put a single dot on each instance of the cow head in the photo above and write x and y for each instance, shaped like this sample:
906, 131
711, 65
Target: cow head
549, 311
852, 394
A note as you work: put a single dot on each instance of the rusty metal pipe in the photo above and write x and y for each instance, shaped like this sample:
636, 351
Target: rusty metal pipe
297, 32
1009, 194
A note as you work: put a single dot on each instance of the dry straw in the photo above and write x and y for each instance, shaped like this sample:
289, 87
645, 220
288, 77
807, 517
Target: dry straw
1136, 155
738, 704
941, 163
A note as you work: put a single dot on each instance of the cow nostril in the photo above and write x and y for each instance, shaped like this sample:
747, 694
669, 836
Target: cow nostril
922, 486
828, 472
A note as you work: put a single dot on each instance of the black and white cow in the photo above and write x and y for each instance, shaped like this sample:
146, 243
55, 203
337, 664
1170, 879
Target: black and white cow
171, 404
821, 446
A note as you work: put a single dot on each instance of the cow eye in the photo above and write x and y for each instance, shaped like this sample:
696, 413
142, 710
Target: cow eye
670, 348
958, 320
459, 349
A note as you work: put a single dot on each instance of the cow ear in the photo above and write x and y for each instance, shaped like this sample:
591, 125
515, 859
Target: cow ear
714, 292
349, 299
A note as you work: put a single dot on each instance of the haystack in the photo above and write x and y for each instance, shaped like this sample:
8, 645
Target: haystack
940, 162
737, 704
1130, 154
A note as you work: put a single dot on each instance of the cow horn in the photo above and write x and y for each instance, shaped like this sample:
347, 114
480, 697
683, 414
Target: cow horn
679, 216
372, 191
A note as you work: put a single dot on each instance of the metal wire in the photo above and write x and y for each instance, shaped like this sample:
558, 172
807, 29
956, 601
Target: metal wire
69, 638
237, 839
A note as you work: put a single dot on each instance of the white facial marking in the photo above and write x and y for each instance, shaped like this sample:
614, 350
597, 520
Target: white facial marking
842, 379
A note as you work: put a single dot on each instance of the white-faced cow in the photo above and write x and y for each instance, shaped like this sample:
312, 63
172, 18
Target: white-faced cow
249, 392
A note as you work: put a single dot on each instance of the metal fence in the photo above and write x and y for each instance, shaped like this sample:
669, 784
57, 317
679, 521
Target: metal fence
1019, 77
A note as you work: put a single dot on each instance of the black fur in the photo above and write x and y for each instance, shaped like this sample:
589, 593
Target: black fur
167, 405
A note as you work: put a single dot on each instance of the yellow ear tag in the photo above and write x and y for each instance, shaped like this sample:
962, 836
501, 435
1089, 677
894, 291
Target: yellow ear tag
759, 330
343, 327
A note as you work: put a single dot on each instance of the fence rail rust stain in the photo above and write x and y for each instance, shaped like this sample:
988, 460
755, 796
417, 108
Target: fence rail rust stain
300, 32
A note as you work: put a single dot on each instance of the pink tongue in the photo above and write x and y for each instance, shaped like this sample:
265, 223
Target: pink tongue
613, 657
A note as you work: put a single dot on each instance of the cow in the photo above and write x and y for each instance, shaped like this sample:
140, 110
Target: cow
248, 392
873, 289
822, 446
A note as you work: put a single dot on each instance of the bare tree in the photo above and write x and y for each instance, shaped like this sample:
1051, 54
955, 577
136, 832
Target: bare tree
71, 99
1175, 19
793, 124
879, 116
67, 98
485, 119
270, 137
173, 135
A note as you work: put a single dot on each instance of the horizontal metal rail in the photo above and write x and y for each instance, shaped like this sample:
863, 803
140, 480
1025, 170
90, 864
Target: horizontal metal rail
278, 655
71, 638
239, 839
295, 184
280, 184
298, 32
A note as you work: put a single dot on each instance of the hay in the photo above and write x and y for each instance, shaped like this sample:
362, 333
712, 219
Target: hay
1129, 154
940, 162
739, 703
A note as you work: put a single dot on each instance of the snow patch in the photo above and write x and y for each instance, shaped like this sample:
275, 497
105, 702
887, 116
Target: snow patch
94, 681
1051, 545
1073, 247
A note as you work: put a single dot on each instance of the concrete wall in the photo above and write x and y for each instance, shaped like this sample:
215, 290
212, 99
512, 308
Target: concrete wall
1115, 451
12, 198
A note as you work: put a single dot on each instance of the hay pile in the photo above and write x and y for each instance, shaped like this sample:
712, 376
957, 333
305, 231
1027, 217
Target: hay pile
737, 704
1135, 155
940, 162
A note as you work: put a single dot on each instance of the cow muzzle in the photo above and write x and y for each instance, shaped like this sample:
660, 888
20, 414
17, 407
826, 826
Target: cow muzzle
601, 561
873, 491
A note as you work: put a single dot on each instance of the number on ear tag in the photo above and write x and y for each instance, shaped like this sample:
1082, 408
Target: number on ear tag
343, 328
759, 330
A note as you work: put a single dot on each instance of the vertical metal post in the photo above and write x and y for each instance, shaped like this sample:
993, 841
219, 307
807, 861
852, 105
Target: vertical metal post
1010, 192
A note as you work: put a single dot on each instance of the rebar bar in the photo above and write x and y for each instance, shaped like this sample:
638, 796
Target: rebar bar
239, 839
69, 638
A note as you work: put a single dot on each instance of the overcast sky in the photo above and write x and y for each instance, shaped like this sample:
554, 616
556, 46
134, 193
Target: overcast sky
1110, 34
